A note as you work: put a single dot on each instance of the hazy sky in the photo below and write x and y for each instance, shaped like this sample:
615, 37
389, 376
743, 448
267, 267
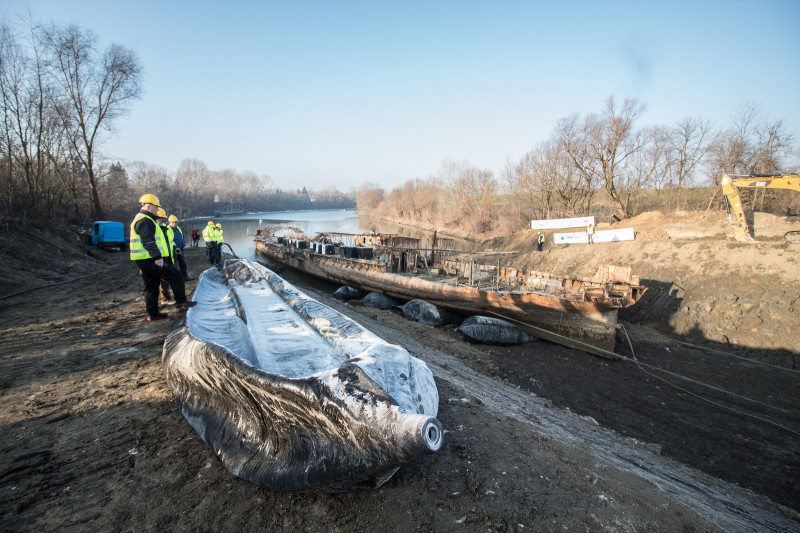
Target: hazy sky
321, 93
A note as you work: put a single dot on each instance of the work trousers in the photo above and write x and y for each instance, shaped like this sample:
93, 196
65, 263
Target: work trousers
211, 248
152, 276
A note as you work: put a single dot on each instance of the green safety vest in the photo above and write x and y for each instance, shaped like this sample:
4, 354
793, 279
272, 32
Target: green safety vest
219, 236
170, 242
138, 251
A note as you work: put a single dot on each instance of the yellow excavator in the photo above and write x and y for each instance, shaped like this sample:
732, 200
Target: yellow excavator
730, 188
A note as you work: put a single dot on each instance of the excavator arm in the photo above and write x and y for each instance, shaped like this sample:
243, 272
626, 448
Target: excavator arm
731, 186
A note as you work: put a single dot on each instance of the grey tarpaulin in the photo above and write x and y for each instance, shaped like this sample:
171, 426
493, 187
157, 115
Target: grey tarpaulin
348, 293
488, 330
379, 301
427, 313
291, 394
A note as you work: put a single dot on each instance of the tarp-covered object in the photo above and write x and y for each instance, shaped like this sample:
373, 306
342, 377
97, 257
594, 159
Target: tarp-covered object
489, 330
291, 394
427, 313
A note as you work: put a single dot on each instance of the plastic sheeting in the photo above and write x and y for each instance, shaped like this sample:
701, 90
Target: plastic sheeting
291, 394
427, 313
489, 330
379, 301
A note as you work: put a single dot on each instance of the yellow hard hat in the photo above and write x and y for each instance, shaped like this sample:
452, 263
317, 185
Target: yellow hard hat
150, 199
210, 222
219, 226
173, 218
161, 212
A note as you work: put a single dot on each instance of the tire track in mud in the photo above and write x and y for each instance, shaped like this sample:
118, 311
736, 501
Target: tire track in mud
626, 460
68, 379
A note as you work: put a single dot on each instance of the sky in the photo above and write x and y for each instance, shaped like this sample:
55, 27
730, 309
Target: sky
324, 94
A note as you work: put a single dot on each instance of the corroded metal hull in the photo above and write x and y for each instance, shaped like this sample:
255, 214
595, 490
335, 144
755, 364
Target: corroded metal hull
579, 316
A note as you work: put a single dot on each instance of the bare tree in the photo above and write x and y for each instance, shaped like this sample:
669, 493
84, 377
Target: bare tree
534, 182
773, 146
93, 90
28, 133
642, 169
368, 197
475, 188
612, 141
193, 180
688, 143
579, 179
752, 144
515, 181
144, 178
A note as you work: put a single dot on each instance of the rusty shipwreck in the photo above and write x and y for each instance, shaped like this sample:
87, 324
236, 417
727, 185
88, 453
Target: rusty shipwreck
575, 311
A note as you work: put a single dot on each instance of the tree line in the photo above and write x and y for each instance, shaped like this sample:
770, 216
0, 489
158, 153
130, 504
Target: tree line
61, 95
195, 190
600, 164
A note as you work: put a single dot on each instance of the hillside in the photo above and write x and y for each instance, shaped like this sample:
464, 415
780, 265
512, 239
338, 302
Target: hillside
702, 285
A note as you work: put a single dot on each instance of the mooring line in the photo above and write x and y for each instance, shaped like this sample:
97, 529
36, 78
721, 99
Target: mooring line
737, 411
705, 348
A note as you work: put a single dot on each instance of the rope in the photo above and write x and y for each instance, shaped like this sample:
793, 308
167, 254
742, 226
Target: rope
705, 348
737, 411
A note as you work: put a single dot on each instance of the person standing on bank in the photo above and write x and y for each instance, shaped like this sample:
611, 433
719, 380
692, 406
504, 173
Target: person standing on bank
218, 233
169, 261
148, 249
590, 233
539, 241
210, 238
180, 243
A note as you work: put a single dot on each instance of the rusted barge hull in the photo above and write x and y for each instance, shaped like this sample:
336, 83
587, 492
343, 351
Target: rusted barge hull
582, 318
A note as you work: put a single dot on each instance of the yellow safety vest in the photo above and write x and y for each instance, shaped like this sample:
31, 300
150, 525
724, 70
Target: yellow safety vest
219, 236
209, 234
138, 251
170, 243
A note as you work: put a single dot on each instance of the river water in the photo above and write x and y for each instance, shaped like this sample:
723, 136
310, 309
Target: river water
239, 230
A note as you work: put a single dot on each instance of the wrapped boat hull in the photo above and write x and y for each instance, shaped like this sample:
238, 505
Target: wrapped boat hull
335, 419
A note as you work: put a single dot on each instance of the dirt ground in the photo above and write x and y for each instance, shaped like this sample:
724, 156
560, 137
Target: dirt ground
697, 428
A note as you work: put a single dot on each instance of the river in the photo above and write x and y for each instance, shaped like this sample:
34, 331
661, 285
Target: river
239, 230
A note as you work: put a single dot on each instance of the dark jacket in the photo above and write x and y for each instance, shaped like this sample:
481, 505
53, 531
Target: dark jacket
178, 237
146, 229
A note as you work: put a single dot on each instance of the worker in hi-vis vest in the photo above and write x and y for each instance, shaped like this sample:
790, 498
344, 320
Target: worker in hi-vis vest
149, 248
210, 238
180, 243
218, 233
